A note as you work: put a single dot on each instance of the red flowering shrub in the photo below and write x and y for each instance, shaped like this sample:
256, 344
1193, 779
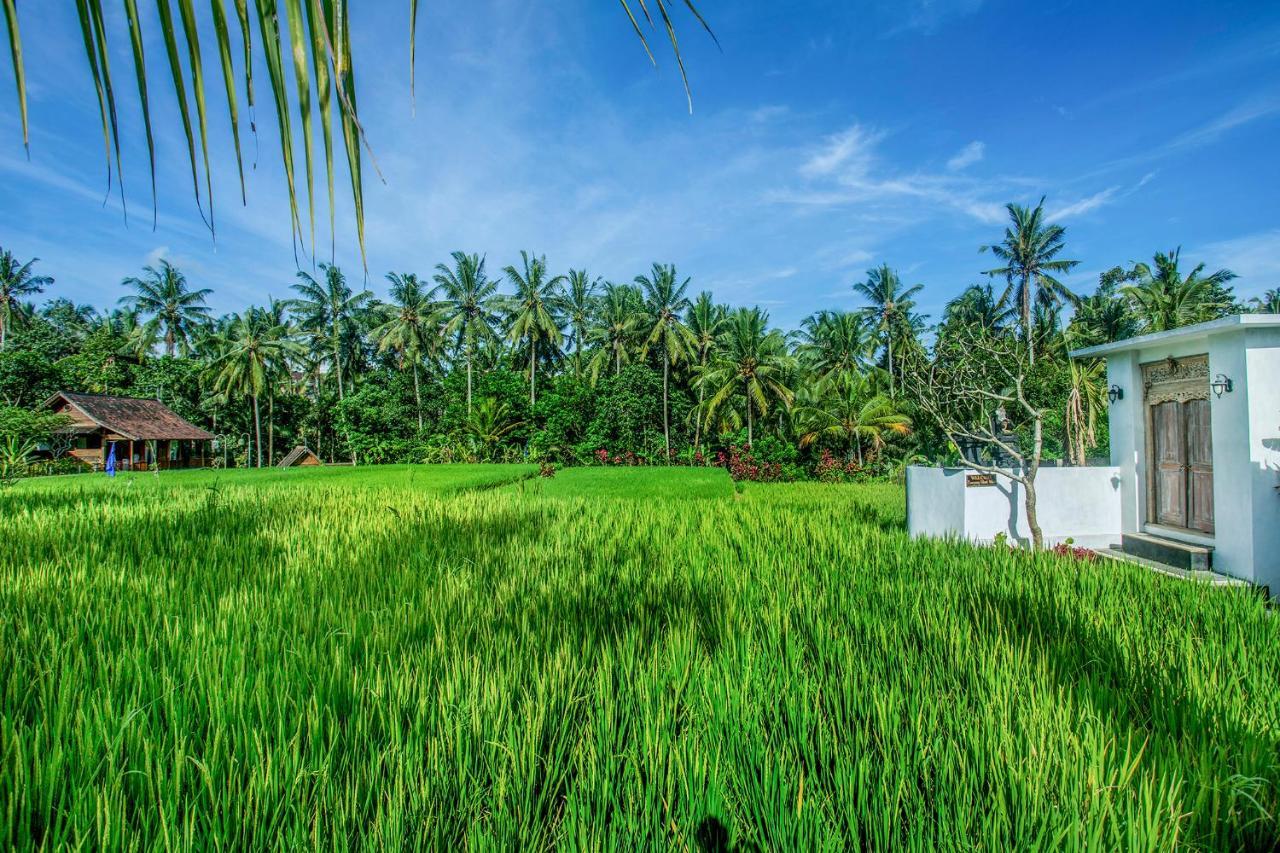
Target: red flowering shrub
1066, 549
741, 465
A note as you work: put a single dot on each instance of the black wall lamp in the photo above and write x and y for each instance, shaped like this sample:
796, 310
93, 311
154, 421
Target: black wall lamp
1115, 393
1222, 385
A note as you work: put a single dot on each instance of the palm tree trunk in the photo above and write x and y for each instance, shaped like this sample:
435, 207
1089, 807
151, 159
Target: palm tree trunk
1026, 320
857, 446
889, 340
257, 428
168, 341
749, 424
533, 372
469, 355
337, 359
702, 391
4, 332
666, 429
617, 361
417, 394
271, 431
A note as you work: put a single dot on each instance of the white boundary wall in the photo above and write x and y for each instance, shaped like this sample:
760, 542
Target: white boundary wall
1082, 504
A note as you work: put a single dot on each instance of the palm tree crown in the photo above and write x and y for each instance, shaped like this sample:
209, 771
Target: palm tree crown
1164, 299
328, 311
1030, 251
163, 293
255, 352
889, 309
834, 343
752, 361
16, 282
535, 316
411, 327
665, 301
471, 304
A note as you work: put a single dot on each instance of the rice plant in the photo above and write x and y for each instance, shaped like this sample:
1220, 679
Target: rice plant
388, 658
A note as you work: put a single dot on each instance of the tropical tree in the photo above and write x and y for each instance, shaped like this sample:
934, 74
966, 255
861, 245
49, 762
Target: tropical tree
255, 352
706, 321
17, 281
411, 329
1267, 303
1165, 299
328, 311
577, 305
163, 293
1085, 402
1030, 251
751, 361
1105, 316
664, 302
834, 343
889, 309
977, 307
846, 412
535, 311
617, 326
470, 306
489, 423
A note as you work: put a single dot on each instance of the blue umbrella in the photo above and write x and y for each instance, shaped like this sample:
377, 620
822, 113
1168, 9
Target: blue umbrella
111, 461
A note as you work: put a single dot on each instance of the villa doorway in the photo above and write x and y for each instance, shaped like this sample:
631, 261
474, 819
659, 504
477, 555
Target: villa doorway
1180, 444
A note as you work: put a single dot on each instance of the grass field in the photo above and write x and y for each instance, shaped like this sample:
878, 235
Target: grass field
398, 658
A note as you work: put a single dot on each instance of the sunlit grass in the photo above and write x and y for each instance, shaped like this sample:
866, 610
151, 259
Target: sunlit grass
384, 662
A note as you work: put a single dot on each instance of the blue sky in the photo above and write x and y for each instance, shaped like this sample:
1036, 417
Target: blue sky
827, 136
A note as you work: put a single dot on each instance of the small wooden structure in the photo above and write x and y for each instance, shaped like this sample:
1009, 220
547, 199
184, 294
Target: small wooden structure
300, 456
146, 434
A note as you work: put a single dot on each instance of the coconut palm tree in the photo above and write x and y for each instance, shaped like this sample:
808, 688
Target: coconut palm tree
1030, 251
411, 329
535, 311
17, 281
470, 307
163, 293
834, 343
752, 361
1164, 299
977, 307
329, 312
1086, 400
1102, 318
889, 309
254, 353
577, 304
706, 321
1267, 303
846, 411
618, 324
664, 302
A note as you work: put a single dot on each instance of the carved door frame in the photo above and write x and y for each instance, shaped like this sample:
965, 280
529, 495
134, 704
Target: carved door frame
1171, 380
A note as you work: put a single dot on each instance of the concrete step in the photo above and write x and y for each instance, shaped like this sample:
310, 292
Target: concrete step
1171, 552
1114, 553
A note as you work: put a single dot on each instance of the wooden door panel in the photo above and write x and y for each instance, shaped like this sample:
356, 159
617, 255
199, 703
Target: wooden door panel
1168, 428
1199, 465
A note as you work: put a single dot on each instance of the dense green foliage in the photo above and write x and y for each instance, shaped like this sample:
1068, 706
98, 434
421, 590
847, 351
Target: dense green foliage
536, 366
374, 658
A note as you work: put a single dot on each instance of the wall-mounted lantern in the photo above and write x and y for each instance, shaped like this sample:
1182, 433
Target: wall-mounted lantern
1222, 385
1115, 393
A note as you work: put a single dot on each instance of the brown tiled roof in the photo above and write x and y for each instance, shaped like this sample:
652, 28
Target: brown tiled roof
140, 420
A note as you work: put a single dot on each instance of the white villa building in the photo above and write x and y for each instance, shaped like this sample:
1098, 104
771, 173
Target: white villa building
1195, 459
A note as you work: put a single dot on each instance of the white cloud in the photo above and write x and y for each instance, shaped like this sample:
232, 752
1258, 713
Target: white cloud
1239, 115
967, 156
850, 153
1253, 257
1084, 205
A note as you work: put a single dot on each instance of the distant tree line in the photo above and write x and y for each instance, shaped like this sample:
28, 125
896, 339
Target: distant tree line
524, 363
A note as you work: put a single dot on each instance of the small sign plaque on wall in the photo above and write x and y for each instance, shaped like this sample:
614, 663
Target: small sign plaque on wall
979, 480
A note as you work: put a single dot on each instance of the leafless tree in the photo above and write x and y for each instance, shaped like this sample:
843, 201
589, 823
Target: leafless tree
970, 391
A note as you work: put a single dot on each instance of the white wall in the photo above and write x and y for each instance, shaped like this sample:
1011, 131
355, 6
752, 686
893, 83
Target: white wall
1246, 445
1082, 504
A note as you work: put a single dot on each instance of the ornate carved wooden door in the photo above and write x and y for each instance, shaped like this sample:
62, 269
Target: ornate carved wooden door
1199, 466
1170, 461
1180, 443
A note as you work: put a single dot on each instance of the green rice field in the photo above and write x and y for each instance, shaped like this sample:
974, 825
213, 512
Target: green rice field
472, 657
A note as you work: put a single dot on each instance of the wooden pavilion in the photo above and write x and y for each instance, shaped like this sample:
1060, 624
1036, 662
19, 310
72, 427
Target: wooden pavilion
146, 434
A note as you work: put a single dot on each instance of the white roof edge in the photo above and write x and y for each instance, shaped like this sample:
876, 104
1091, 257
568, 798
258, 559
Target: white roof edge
1212, 327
